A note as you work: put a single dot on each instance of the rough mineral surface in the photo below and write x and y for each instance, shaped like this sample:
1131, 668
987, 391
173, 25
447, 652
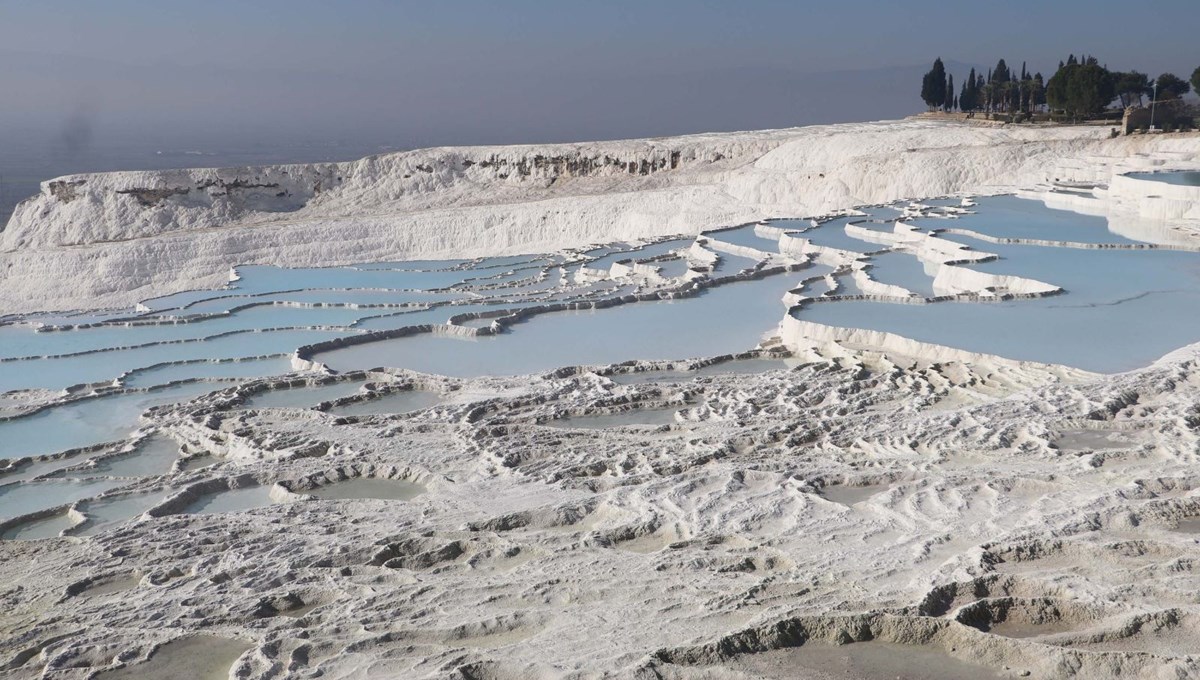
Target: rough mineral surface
965, 516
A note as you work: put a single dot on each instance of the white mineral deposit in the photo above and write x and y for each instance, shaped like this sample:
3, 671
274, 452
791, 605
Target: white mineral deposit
914, 398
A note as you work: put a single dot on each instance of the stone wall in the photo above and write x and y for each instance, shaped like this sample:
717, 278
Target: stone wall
1173, 113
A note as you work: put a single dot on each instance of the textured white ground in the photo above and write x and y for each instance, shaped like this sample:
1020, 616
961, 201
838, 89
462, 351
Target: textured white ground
964, 517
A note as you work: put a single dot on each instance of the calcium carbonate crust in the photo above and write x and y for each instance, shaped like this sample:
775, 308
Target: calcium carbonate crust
121, 237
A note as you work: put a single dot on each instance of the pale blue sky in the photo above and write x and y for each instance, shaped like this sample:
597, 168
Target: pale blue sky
467, 71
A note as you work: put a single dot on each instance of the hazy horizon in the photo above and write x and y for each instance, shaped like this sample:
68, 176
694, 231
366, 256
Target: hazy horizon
478, 72
106, 86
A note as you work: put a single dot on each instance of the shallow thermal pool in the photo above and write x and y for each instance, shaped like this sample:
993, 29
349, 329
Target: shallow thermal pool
232, 500
394, 402
1121, 309
725, 319
1123, 306
1182, 178
302, 397
360, 488
87, 422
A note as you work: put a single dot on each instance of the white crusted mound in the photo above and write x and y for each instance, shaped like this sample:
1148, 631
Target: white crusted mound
120, 237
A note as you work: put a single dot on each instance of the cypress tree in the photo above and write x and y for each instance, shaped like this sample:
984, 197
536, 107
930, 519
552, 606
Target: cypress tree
972, 92
966, 100
1000, 74
949, 99
933, 86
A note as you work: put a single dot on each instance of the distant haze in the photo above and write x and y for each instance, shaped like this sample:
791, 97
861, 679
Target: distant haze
103, 85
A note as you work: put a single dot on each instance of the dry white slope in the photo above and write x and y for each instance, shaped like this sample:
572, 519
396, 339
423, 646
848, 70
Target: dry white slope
120, 237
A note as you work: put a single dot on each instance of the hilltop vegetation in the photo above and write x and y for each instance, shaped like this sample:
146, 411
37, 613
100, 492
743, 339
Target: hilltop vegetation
1080, 89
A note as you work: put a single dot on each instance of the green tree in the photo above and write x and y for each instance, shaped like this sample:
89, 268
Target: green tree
1131, 87
933, 87
1080, 89
1171, 86
1000, 74
1039, 90
1026, 87
971, 93
1196, 80
948, 101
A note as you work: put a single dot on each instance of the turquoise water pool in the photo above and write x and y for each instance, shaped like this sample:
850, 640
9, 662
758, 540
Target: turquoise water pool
1121, 308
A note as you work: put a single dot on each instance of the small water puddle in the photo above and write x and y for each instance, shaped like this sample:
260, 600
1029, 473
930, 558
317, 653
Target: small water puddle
197, 462
862, 661
302, 397
1090, 440
153, 457
1188, 525
108, 513
114, 585
198, 657
1025, 629
850, 495
391, 403
368, 487
233, 500
26, 497
47, 527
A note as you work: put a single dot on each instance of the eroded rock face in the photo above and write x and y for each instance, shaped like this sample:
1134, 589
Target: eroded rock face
151, 203
64, 190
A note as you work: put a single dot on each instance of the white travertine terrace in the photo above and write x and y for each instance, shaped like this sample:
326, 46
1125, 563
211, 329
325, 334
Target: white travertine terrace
956, 280
122, 237
1010, 518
